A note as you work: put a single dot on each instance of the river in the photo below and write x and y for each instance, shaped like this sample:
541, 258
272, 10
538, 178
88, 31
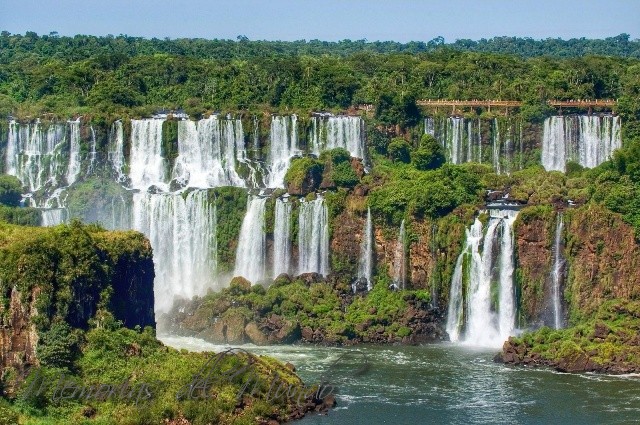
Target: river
447, 383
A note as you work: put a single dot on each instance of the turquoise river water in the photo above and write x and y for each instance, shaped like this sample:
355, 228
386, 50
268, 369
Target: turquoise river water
448, 384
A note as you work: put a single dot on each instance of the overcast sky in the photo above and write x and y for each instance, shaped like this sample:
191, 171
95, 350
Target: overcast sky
398, 20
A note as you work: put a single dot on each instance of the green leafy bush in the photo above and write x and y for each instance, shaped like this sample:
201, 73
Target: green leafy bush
399, 150
10, 190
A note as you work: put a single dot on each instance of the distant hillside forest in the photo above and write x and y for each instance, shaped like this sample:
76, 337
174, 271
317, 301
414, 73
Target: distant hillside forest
132, 76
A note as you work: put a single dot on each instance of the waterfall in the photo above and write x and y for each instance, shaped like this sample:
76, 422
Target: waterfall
282, 238
557, 274
146, 164
553, 144
337, 132
73, 169
34, 154
365, 265
92, 152
313, 237
284, 146
429, 126
182, 232
455, 316
456, 140
587, 139
496, 146
599, 137
207, 152
116, 150
485, 315
399, 260
53, 216
252, 246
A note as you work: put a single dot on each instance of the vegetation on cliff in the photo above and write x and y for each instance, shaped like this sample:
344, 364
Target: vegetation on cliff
77, 342
608, 342
307, 308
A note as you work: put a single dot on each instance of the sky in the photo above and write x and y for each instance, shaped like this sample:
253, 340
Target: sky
330, 20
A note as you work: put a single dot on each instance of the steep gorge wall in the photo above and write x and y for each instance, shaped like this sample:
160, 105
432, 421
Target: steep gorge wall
602, 261
72, 274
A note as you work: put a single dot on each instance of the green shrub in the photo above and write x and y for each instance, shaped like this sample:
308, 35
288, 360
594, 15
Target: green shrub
10, 190
429, 155
58, 346
344, 176
399, 150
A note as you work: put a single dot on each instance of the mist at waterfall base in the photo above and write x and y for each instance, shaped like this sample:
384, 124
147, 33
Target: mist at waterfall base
447, 383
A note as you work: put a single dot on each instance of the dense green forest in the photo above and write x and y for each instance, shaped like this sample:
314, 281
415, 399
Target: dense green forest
134, 76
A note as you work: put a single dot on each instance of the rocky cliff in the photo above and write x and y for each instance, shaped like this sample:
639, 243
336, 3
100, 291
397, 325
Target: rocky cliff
73, 274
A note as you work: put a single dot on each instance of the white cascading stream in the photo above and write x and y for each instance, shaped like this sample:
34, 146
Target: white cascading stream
313, 237
338, 132
282, 238
52, 217
587, 139
147, 167
557, 274
474, 319
35, 154
284, 146
182, 232
92, 153
116, 150
553, 144
399, 260
365, 264
73, 169
252, 246
455, 316
207, 152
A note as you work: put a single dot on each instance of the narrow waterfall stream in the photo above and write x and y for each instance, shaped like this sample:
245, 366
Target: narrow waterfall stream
282, 238
399, 260
252, 248
313, 237
365, 263
557, 274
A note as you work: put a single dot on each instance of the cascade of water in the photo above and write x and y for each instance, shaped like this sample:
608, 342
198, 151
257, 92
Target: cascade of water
13, 146
182, 232
588, 139
116, 150
337, 132
282, 238
313, 237
496, 146
455, 316
34, 154
456, 139
207, 152
256, 138
399, 261
252, 246
506, 309
73, 170
52, 217
119, 217
284, 146
487, 312
557, 273
92, 153
553, 144
429, 126
365, 266
146, 165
